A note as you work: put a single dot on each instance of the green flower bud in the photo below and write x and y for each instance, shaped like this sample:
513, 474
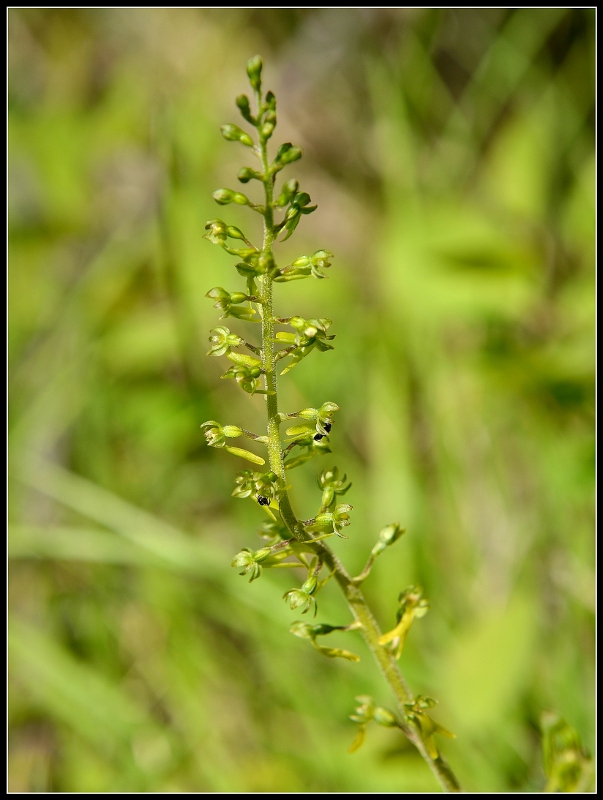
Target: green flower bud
391, 534
282, 150
267, 130
246, 174
225, 196
246, 377
234, 134
254, 71
234, 232
270, 101
242, 102
301, 198
265, 262
246, 270
288, 191
292, 154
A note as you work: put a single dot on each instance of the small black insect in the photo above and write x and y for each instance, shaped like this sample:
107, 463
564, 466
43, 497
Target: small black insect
327, 427
263, 501
318, 437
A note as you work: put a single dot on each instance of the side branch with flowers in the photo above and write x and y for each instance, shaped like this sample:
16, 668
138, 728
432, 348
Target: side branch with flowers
291, 542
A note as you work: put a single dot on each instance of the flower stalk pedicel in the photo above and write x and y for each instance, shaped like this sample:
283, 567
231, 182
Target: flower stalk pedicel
288, 537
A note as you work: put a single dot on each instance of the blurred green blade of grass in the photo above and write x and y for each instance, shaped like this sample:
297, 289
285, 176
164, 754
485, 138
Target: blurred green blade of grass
77, 544
104, 507
72, 691
489, 665
170, 546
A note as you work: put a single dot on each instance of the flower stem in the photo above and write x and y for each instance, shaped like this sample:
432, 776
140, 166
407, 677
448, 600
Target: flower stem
358, 605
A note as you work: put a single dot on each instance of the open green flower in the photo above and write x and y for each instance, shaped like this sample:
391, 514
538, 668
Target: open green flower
246, 377
298, 206
331, 520
310, 334
216, 434
303, 597
222, 340
305, 266
262, 485
313, 443
251, 561
332, 486
297, 598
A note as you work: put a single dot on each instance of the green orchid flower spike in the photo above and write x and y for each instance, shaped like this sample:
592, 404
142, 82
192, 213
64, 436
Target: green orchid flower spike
290, 542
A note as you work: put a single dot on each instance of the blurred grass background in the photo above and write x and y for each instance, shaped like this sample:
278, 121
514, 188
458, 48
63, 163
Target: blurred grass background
451, 152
